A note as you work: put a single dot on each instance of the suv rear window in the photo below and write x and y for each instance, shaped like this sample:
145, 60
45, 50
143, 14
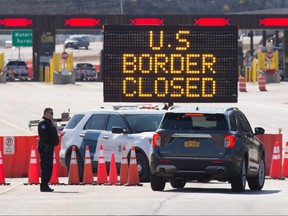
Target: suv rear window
84, 65
16, 63
190, 121
74, 38
144, 122
74, 121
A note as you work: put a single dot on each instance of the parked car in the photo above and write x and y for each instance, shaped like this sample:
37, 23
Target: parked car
77, 41
206, 144
16, 69
85, 71
113, 129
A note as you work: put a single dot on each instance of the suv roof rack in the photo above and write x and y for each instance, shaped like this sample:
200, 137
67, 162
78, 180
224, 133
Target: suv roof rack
135, 106
231, 108
125, 107
202, 109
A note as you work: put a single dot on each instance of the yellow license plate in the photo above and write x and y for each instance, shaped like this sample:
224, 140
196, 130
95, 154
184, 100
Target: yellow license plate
191, 143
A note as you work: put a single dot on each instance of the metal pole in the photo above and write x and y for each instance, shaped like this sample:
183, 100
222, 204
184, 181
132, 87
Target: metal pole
264, 38
251, 44
121, 7
276, 43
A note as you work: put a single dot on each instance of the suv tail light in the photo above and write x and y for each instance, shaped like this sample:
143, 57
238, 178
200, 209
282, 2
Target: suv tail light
229, 141
156, 140
62, 133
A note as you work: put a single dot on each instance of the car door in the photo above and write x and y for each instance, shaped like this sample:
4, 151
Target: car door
113, 142
250, 141
91, 133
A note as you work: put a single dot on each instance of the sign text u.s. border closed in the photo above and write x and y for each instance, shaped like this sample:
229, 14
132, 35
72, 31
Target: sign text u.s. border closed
22, 38
170, 64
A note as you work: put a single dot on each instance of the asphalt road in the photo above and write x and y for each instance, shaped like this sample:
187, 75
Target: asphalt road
213, 198
25, 101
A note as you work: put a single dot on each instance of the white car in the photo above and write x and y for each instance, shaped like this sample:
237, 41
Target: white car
113, 129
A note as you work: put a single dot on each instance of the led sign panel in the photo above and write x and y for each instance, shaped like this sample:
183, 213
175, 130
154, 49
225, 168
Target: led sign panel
16, 22
82, 22
147, 21
170, 64
211, 21
281, 21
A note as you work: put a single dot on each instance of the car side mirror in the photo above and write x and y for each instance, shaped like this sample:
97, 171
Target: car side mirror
259, 130
117, 130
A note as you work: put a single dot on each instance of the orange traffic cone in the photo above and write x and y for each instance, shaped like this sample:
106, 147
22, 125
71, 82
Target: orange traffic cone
113, 178
133, 176
73, 176
88, 172
242, 84
124, 167
275, 169
2, 174
285, 162
262, 83
33, 175
101, 170
54, 178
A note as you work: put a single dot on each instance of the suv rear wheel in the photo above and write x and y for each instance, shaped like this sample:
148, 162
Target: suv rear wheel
178, 183
156, 183
257, 182
238, 183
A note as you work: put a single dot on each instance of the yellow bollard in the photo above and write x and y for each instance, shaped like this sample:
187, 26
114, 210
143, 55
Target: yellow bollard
1, 62
275, 61
41, 75
254, 71
51, 70
56, 59
261, 61
70, 62
47, 74
247, 73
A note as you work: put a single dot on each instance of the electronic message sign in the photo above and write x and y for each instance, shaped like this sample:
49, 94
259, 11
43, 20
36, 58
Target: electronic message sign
170, 64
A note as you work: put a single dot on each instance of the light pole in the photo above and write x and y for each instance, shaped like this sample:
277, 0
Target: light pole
121, 7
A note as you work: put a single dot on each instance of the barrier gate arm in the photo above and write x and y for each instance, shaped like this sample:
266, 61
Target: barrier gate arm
65, 116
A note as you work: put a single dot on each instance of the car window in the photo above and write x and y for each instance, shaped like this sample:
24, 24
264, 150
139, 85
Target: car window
12, 63
97, 122
187, 121
16, 63
73, 38
243, 124
73, 122
233, 122
21, 63
116, 120
144, 122
82, 65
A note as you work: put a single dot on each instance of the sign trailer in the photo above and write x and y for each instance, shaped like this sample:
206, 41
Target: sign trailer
170, 64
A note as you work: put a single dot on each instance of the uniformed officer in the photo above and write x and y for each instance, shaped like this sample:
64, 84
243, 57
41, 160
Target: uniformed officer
48, 139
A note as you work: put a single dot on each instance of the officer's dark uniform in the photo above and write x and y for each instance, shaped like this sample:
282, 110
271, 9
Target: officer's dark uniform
48, 139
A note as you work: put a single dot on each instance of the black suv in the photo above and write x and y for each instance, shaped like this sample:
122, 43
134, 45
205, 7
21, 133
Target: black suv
206, 144
77, 41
